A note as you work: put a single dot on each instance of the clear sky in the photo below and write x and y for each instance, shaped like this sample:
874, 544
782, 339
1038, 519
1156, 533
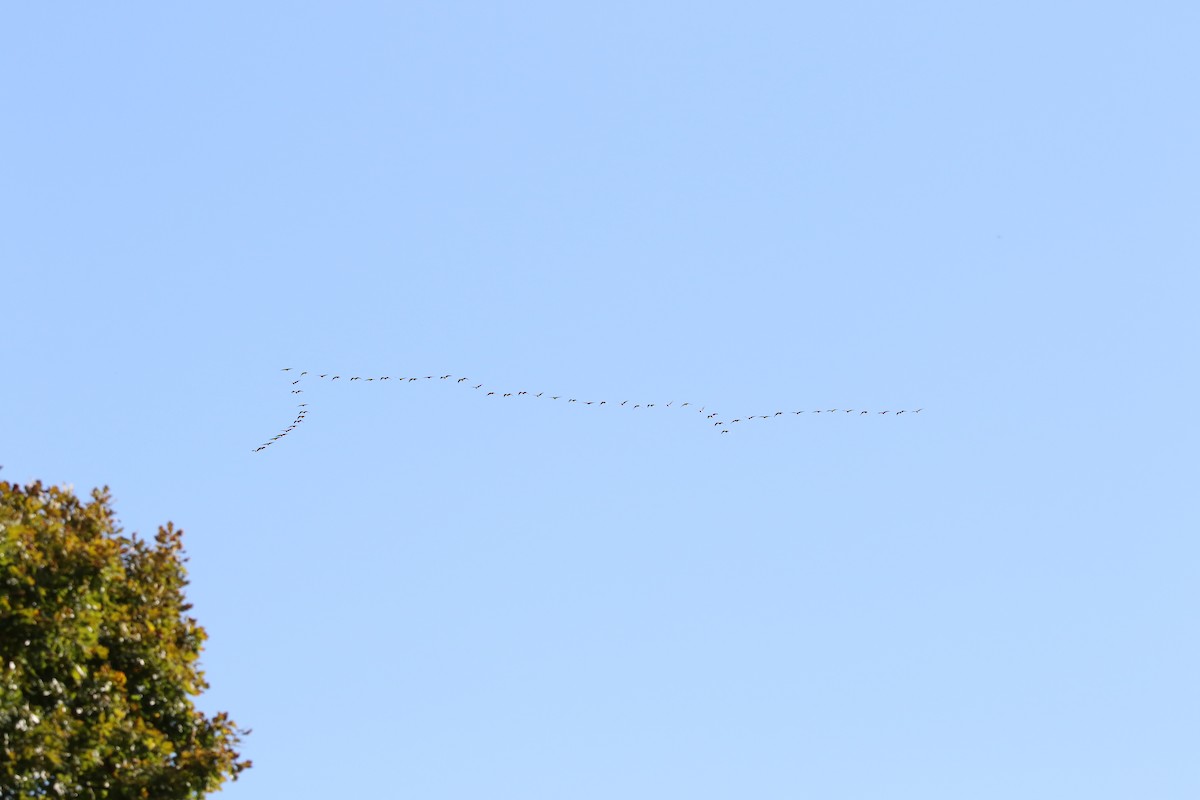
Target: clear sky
984, 210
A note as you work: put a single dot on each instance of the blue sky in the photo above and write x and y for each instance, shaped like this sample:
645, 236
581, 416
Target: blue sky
984, 210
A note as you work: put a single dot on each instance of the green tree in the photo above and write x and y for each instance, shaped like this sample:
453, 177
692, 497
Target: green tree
98, 660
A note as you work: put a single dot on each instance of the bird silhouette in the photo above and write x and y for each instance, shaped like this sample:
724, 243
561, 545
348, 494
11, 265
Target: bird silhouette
335, 377
302, 415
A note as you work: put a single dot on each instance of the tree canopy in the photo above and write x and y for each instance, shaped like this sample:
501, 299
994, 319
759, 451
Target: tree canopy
98, 659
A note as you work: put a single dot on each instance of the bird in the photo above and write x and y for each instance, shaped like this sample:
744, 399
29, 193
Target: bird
623, 402
602, 402
322, 376
716, 423
650, 405
862, 412
797, 412
287, 369
725, 431
259, 448
539, 394
832, 410
918, 411
588, 403
669, 404
445, 376
637, 405
683, 405
297, 391
370, 379
428, 377
302, 405
413, 379
816, 412
572, 400
555, 397
710, 416
521, 393
356, 379
386, 378
302, 374
295, 382
335, 377
883, 412
898, 413
737, 420
489, 394
507, 394
476, 387
460, 380
777, 413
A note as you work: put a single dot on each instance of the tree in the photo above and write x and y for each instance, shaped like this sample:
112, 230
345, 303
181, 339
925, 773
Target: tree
98, 661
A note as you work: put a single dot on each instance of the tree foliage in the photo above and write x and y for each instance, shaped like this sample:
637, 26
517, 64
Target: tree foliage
98, 660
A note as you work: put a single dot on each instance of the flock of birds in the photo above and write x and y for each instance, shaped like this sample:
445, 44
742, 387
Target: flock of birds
711, 416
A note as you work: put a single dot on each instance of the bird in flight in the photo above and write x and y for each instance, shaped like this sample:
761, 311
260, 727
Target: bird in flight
301, 416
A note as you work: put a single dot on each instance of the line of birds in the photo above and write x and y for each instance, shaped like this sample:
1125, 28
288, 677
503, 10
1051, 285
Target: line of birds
721, 424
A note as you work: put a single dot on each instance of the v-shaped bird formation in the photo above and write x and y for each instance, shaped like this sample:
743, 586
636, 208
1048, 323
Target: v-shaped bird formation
713, 419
